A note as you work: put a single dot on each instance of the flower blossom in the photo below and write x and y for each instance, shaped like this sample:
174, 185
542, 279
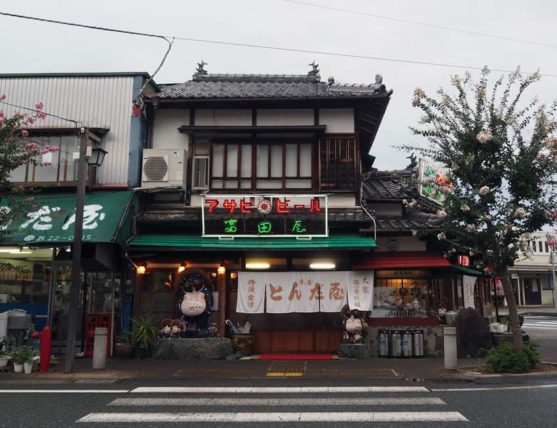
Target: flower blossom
25, 133
465, 208
551, 142
418, 95
484, 136
441, 236
39, 105
455, 79
470, 228
441, 214
484, 190
519, 212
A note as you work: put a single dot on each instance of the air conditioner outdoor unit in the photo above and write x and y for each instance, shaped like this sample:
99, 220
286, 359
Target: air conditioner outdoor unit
164, 168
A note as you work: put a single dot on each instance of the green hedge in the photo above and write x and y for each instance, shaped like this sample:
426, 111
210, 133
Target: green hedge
504, 358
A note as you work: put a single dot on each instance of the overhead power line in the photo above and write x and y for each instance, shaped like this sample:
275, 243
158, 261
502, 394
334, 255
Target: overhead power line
258, 46
423, 24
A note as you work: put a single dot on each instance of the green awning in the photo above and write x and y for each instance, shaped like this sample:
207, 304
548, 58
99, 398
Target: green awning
467, 270
49, 218
198, 242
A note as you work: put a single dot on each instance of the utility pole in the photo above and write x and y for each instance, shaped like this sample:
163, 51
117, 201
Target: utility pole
552, 260
76, 253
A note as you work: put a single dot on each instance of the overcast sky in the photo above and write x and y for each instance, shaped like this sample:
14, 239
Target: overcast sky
29, 46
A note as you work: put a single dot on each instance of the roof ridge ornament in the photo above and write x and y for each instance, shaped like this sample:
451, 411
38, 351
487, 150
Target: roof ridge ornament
200, 70
314, 72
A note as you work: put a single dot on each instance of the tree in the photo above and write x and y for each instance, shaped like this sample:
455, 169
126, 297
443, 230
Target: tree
500, 155
16, 148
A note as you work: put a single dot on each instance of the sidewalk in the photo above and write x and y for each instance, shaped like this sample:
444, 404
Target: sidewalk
376, 368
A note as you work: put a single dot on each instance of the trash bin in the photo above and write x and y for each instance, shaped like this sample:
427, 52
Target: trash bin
383, 343
418, 343
4, 323
99, 348
396, 348
406, 343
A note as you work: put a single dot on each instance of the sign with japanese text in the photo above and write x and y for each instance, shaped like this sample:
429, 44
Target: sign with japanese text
264, 216
304, 292
432, 182
46, 219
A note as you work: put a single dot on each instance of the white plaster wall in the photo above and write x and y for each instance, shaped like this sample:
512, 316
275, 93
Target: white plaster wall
400, 243
284, 117
547, 296
342, 201
216, 117
338, 120
165, 129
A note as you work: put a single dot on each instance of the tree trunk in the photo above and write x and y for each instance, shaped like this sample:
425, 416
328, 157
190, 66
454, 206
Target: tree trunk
513, 313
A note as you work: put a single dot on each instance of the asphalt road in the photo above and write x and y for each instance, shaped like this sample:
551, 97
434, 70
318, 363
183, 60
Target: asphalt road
543, 330
519, 402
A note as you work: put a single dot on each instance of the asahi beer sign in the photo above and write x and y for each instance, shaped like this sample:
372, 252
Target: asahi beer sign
230, 216
432, 182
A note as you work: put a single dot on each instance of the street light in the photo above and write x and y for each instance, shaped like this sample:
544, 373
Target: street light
93, 157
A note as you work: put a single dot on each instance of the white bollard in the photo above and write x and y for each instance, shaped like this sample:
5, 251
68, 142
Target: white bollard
449, 345
99, 348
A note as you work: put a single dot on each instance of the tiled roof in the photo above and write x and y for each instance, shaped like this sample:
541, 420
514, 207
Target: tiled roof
246, 86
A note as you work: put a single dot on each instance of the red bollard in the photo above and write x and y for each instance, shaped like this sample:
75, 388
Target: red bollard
45, 337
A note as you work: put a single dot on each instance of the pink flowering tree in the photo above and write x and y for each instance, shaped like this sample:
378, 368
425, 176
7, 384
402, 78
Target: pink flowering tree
500, 154
16, 148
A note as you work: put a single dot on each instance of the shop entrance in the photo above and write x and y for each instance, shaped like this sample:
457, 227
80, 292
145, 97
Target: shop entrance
532, 291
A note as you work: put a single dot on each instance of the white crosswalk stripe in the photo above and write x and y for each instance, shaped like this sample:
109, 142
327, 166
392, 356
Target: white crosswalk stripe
323, 404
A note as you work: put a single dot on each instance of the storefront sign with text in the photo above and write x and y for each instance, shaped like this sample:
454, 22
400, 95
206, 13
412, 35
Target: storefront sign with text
264, 215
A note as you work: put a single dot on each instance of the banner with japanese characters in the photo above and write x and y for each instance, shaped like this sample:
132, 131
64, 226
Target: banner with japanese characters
251, 292
304, 292
360, 290
333, 291
468, 283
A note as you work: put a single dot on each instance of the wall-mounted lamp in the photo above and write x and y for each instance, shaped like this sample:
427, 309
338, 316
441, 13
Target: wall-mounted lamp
182, 267
141, 269
234, 275
221, 269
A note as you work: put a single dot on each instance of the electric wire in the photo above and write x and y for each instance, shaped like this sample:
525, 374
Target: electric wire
267, 47
424, 24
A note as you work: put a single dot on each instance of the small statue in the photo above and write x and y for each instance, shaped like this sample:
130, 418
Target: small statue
354, 326
177, 327
413, 161
166, 330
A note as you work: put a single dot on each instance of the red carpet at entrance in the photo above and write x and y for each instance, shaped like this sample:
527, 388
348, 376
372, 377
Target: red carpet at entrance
297, 356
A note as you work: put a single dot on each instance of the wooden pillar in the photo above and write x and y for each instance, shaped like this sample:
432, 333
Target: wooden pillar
221, 290
137, 294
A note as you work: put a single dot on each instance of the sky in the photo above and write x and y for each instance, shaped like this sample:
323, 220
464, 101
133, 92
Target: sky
33, 47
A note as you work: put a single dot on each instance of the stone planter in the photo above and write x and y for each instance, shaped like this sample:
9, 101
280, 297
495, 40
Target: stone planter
4, 361
123, 350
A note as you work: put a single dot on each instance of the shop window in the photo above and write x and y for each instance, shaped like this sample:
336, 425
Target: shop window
401, 298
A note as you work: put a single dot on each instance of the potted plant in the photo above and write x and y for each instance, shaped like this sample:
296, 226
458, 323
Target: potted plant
123, 348
4, 359
23, 355
145, 332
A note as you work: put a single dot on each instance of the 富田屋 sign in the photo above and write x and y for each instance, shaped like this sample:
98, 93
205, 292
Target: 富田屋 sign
264, 215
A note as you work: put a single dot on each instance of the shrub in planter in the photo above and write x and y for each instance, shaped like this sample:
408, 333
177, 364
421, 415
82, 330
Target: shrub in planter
505, 359
145, 331
124, 347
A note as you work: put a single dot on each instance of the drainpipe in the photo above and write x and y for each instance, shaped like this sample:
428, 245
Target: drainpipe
366, 211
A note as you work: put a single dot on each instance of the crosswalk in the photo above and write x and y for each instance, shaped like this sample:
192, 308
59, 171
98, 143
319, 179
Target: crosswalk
540, 323
348, 404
